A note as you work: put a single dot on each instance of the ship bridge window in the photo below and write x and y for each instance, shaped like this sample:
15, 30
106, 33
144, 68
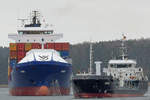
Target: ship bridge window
20, 32
113, 65
48, 32
130, 65
33, 32
45, 32
120, 65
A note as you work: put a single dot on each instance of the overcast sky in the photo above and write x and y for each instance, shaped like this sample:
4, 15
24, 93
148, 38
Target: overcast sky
80, 20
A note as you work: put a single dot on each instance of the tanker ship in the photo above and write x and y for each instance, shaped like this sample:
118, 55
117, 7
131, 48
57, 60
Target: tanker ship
38, 65
122, 78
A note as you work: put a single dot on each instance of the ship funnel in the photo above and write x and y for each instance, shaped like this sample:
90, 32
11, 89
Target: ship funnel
98, 67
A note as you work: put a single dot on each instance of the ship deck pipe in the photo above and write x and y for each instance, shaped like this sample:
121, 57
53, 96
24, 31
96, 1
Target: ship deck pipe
98, 67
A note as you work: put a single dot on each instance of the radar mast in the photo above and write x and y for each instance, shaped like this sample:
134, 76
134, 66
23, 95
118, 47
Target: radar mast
123, 48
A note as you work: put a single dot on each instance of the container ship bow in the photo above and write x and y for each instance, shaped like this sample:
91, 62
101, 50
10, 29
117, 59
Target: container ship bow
122, 78
38, 65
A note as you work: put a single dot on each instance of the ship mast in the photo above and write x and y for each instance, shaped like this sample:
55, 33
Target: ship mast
123, 48
35, 20
91, 58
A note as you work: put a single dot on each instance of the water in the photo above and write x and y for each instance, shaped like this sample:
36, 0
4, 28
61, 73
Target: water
4, 95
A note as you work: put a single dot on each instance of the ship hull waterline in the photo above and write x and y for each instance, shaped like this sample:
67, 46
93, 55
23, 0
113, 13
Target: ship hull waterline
40, 79
102, 95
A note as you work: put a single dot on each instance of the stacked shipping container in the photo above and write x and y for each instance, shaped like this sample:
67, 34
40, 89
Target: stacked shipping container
36, 46
28, 47
13, 58
63, 48
18, 50
13, 53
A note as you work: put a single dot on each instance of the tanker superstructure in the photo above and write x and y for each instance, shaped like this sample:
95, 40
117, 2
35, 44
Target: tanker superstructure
38, 65
122, 78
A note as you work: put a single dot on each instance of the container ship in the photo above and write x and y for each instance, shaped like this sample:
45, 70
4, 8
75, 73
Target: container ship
38, 65
122, 78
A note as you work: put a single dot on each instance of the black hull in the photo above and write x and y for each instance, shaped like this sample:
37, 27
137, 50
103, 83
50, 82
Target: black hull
106, 86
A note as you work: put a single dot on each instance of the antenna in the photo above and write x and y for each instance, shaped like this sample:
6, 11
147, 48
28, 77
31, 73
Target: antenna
123, 48
35, 17
91, 58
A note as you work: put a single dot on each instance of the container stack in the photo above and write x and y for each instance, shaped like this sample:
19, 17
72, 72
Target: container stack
19, 50
62, 48
13, 58
13, 54
36, 45
28, 47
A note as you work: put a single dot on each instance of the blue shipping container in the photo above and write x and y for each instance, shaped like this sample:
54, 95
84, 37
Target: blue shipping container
13, 62
64, 53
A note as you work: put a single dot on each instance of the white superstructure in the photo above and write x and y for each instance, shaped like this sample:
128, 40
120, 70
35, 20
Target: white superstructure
124, 69
35, 32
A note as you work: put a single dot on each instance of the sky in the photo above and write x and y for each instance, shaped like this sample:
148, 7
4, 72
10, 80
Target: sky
81, 20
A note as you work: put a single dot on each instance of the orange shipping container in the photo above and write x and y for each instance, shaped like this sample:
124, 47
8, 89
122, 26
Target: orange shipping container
13, 55
12, 47
65, 46
58, 46
20, 46
28, 46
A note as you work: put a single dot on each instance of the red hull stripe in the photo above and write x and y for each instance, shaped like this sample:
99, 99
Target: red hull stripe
39, 91
101, 95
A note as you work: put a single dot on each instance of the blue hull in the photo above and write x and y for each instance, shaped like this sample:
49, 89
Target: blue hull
37, 74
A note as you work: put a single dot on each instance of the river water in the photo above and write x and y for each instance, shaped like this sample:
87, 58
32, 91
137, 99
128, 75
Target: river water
4, 95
